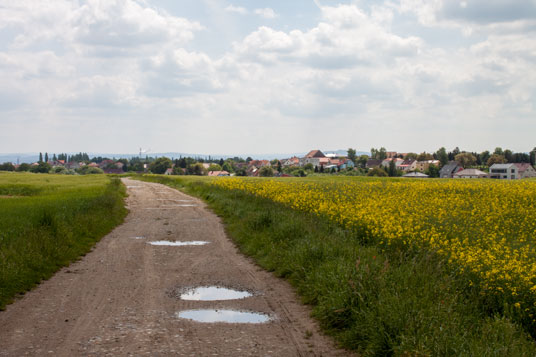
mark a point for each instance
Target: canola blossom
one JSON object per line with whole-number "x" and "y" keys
{"x": 483, "y": 228}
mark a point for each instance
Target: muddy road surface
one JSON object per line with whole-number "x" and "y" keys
{"x": 124, "y": 297}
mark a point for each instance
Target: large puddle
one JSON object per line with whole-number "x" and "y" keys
{"x": 178, "y": 244}
{"x": 214, "y": 293}
{"x": 228, "y": 316}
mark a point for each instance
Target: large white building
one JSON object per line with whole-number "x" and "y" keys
{"x": 504, "y": 171}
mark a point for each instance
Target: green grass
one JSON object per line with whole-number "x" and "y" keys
{"x": 401, "y": 302}
{"x": 48, "y": 221}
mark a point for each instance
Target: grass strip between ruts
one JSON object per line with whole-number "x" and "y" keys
{"x": 374, "y": 302}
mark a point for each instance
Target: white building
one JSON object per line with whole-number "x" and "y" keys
{"x": 504, "y": 172}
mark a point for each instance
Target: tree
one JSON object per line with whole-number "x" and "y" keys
{"x": 40, "y": 157}
{"x": 377, "y": 172}
{"x": 266, "y": 171}
{"x": 214, "y": 167}
{"x": 227, "y": 167}
{"x": 392, "y": 169}
{"x": 378, "y": 154}
{"x": 248, "y": 159}
{"x": 496, "y": 159}
{"x": 7, "y": 166}
{"x": 362, "y": 161}
{"x": 23, "y": 167}
{"x": 442, "y": 156}
{"x": 424, "y": 156}
{"x": 309, "y": 167}
{"x": 46, "y": 157}
{"x": 509, "y": 155}
{"x": 499, "y": 151}
{"x": 484, "y": 157}
{"x": 433, "y": 170}
{"x": 412, "y": 156}
{"x": 465, "y": 159}
{"x": 89, "y": 170}
{"x": 160, "y": 165}
{"x": 42, "y": 167}
{"x": 533, "y": 157}
{"x": 279, "y": 167}
{"x": 54, "y": 158}
{"x": 352, "y": 155}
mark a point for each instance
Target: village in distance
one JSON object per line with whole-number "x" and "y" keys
{"x": 499, "y": 164}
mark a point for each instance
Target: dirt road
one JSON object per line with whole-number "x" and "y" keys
{"x": 124, "y": 296}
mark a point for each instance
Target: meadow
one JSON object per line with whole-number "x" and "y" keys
{"x": 394, "y": 266}
{"x": 49, "y": 221}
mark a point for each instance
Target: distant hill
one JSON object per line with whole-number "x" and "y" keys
{"x": 33, "y": 157}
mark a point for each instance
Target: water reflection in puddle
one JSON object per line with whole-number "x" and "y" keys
{"x": 228, "y": 316}
{"x": 178, "y": 244}
{"x": 213, "y": 293}
{"x": 171, "y": 199}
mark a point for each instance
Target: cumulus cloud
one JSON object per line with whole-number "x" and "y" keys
{"x": 358, "y": 67}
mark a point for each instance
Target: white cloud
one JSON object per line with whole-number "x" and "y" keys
{"x": 116, "y": 63}
{"x": 237, "y": 9}
{"x": 267, "y": 13}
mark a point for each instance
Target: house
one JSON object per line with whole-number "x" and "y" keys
{"x": 424, "y": 165}
{"x": 93, "y": 164}
{"x": 408, "y": 165}
{"x": 397, "y": 161}
{"x": 168, "y": 171}
{"x": 218, "y": 173}
{"x": 504, "y": 171}
{"x": 525, "y": 170}
{"x": 259, "y": 163}
{"x": 106, "y": 163}
{"x": 415, "y": 175}
{"x": 372, "y": 163}
{"x": 470, "y": 173}
{"x": 206, "y": 165}
{"x": 391, "y": 154}
{"x": 293, "y": 161}
{"x": 450, "y": 169}
{"x": 346, "y": 163}
{"x": 313, "y": 157}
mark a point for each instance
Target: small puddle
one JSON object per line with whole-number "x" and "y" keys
{"x": 133, "y": 186}
{"x": 171, "y": 199}
{"x": 180, "y": 205}
{"x": 139, "y": 237}
{"x": 214, "y": 293}
{"x": 178, "y": 244}
{"x": 228, "y": 316}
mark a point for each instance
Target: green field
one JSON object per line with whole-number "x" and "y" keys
{"x": 373, "y": 297}
{"x": 48, "y": 221}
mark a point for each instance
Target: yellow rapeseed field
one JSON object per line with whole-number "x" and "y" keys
{"x": 483, "y": 228}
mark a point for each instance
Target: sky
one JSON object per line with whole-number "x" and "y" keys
{"x": 274, "y": 76}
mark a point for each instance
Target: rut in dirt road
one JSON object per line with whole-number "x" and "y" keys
{"x": 125, "y": 296}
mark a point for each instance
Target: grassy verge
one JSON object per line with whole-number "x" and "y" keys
{"x": 399, "y": 302}
{"x": 48, "y": 221}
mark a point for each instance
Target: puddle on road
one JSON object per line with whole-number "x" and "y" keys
{"x": 133, "y": 186}
{"x": 174, "y": 200}
{"x": 139, "y": 237}
{"x": 227, "y": 316}
{"x": 177, "y": 244}
{"x": 214, "y": 293}
{"x": 180, "y": 205}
